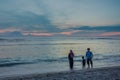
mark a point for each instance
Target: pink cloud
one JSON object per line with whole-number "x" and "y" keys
{"x": 70, "y": 32}
{"x": 7, "y": 30}
{"x": 41, "y": 34}
{"x": 38, "y": 34}
{"x": 110, "y": 34}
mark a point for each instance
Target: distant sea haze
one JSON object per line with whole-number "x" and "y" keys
{"x": 24, "y": 55}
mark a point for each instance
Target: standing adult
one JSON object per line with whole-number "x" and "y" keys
{"x": 70, "y": 57}
{"x": 89, "y": 56}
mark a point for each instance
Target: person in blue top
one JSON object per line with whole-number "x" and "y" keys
{"x": 89, "y": 56}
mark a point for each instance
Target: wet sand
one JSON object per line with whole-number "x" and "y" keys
{"x": 104, "y": 73}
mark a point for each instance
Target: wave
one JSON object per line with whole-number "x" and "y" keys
{"x": 21, "y": 44}
{"x": 9, "y": 62}
{"x": 13, "y": 64}
{"x": 11, "y": 40}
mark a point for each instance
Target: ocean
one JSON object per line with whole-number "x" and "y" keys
{"x": 28, "y": 55}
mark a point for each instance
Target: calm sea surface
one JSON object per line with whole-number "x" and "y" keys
{"x": 27, "y": 55}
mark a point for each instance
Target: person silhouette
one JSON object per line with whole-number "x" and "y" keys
{"x": 83, "y": 62}
{"x": 89, "y": 56}
{"x": 70, "y": 57}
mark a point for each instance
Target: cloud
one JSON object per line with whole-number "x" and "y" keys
{"x": 110, "y": 34}
{"x": 11, "y": 34}
{"x": 60, "y": 13}
{"x": 69, "y": 33}
{"x": 8, "y": 30}
{"x": 25, "y": 15}
{"x": 38, "y": 33}
{"x": 29, "y": 21}
{"x": 99, "y": 28}
{"x": 59, "y": 17}
{"x": 41, "y": 34}
{"x": 97, "y": 31}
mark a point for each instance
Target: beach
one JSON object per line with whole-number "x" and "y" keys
{"x": 104, "y": 73}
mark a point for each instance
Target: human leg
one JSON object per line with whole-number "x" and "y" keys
{"x": 91, "y": 62}
{"x": 71, "y": 63}
{"x": 88, "y": 63}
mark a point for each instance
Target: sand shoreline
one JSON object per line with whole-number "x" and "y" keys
{"x": 104, "y": 73}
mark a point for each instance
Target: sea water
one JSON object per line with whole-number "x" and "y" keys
{"x": 27, "y": 55}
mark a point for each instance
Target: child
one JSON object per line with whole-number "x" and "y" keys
{"x": 83, "y": 62}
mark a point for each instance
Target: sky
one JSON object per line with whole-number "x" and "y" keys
{"x": 82, "y": 18}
